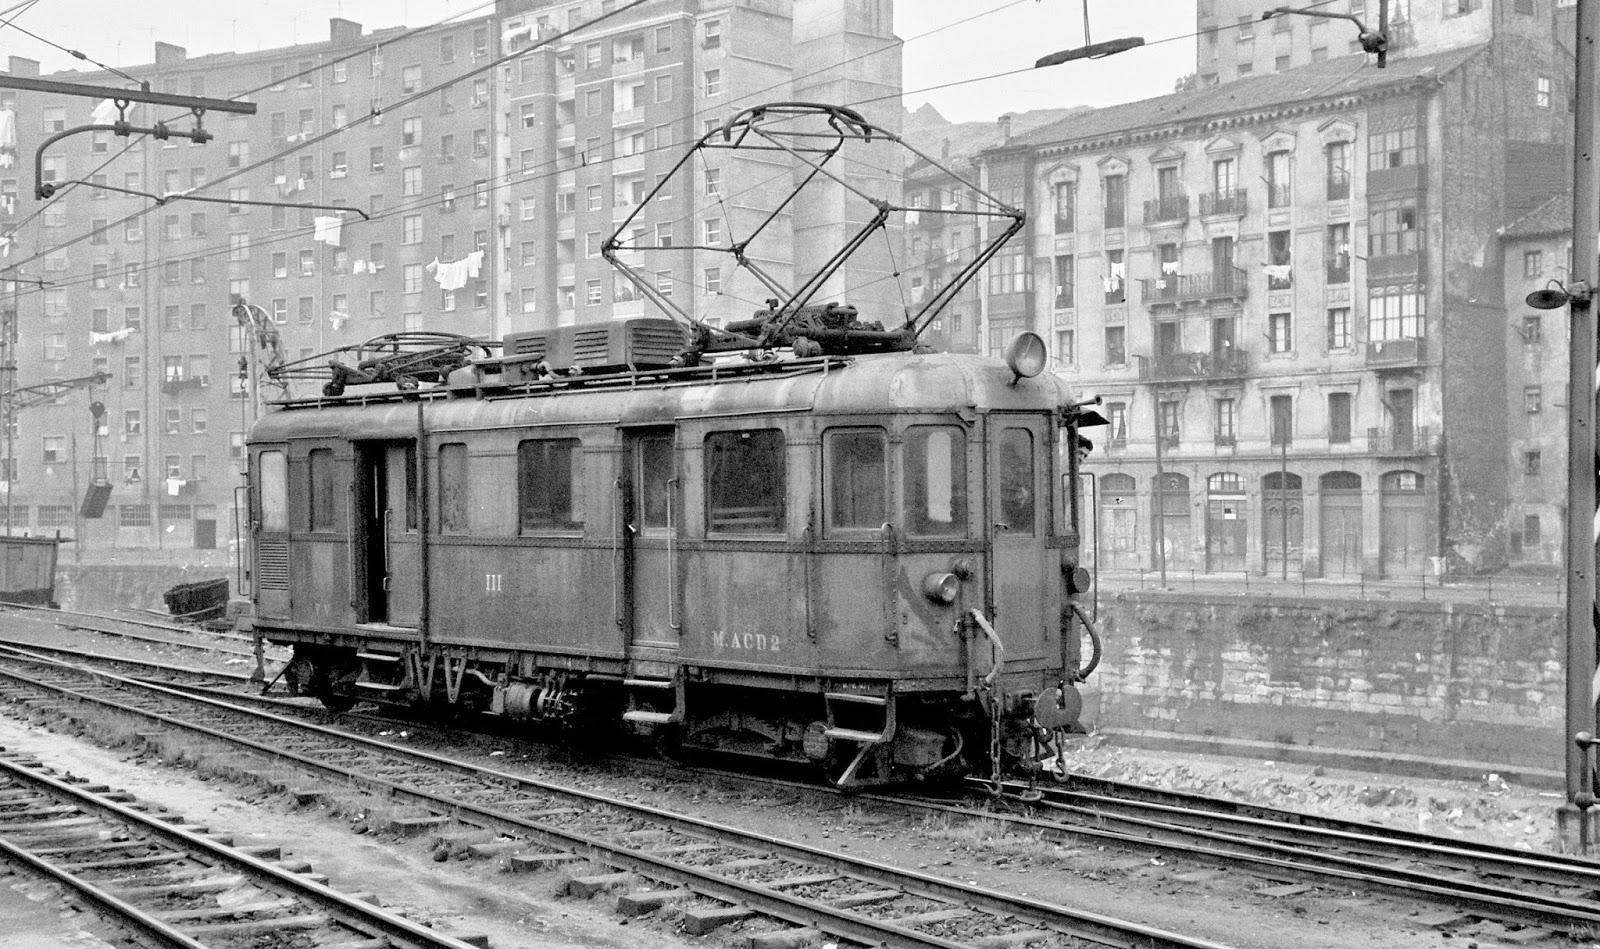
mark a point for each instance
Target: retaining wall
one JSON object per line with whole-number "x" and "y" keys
{"x": 1415, "y": 686}
{"x": 106, "y": 587}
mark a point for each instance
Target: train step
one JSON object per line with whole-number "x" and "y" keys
{"x": 648, "y": 718}
{"x": 862, "y": 697}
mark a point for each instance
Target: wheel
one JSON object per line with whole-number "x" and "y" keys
{"x": 335, "y": 701}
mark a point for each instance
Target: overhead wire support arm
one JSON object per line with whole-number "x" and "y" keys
{"x": 1372, "y": 41}
{"x": 27, "y": 397}
{"x": 143, "y": 94}
{"x": 43, "y": 190}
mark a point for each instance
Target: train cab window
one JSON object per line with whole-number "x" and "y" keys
{"x": 858, "y": 475}
{"x": 653, "y": 477}
{"x": 272, "y": 477}
{"x": 546, "y": 473}
{"x": 746, "y": 482}
{"x": 1017, "y": 482}
{"x": 323, "y": 498}
{"x": 454, "y": 489}
{"x": 935, "y": 481}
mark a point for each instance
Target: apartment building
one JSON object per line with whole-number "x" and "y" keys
{"x": 1537, "y": 249}
{"x": 1233, "y": 41}
{"x": 1280, "y": 288}
{"x": 489, "y": 191}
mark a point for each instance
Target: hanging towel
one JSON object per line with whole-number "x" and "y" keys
{"x": 8, "y": 138}
{"x": 1277, "y": 271}
{"x": 327, "y": 229}
{"x": 105, "y": 113}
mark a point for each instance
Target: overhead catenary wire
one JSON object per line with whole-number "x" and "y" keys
{"x": 361, "y": 120}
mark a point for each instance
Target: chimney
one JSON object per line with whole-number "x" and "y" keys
{"x": 944, "y": 150}
{"x": 1005, "y": 128}
{"x": 23, "y": 67}
{"x": 169, "y": 55}
{"x": 343, "y": 31}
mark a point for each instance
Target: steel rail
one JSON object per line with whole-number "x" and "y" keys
{"x": 351, "y": 912}
{"x": 768, "y": 901}
{"x": 54, "y": 617}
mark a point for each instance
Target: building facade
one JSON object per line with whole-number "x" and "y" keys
{"x": 489, "y": 192}
{"x": 1537, "y": 249}
{"x": 1285, "y": 291}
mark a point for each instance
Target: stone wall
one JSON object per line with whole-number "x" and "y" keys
{"x": 107, "y": 587}
{"x": 1436, "y": 688}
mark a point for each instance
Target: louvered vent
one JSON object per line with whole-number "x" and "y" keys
{"x": 592, "y": 346}
{"x": 655, "y": 342}
{"x": 272, "y": 565}
{"x": 527, "y": 344}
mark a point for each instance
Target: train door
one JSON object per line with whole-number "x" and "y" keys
{"x": 387, "y": 497}
{"x": 1018, "y": 506}
{"x": 652, "y": 515}
{"x": 269, "y": 523}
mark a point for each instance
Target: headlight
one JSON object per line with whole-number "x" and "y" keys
{"x": 941, "y": 587}
{"x": 1026, "y": 356}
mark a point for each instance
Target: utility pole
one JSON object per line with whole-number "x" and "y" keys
{"x": 1158, "y": 498}
{"x": 1574, "y": 819}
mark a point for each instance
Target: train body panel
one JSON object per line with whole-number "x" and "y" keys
{"x": 793, "y": 559}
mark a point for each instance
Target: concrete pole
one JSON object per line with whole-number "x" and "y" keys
{"x": 1573, "y": 820}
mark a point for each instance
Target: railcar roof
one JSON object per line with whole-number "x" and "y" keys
{"x": 877, "y": 384}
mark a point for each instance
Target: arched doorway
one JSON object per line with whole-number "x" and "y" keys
{"x": 1340, "y": 524}
{"x": 1119, "y": 538}
{"x": 1403, "y": 524}
{"x": 1171, "y": 532}
{"x": 1227, "y": 529}
{"x": 1282, "y": 522}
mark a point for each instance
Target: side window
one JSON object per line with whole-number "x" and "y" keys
{"x": 654, "y": 477}
{"x": 272, "y": 476}
{"x": 545, "y": 476}
{"x": 1017, "y": 480}
{"x": 935, "y": 489}
{"x": 324, "y": 496}
{"x": 454, "y": 487}
{"x": 745, "y": 481}
{"x": 858, "y": 478}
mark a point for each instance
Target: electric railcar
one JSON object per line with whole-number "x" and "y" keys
{"x": 867, "y": 562}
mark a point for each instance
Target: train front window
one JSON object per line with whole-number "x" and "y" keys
{"x": 745, "y": 481}
{"x": 936, "y": 481}
{"x": 1017, "y": 483}
{"x": 272, "y": 480}
{"x": 324, "y": 512}
{"x": 545, "y": 478}
{"x": 858, "y": 475}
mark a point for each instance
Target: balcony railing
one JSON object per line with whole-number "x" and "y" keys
{"x": 1187, "y": 288}
{"x": 1066, "y": 225}
{"x": 1279, "y": 276}
{"x": 1339, "y": 270}
{"x": 1417, "y": 440}
{"x": 1225, "y": 441}
{"x": 1396, "y": 352}
{"x": 1339, "y": 187}
{"x": 1403, "y": 178}
{"x": 1171, "y": 208}
{"x": 1396, "y": 265}
{"x": 1222, "y": 364}
{"x": 1064, "y": 299}
{"x": 1280, "y": 196}
{"x": 1116, "y": 216}
{"x": 1224, "y": 202}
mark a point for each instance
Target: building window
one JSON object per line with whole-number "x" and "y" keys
{"x": 1066, "y": 207}
{"x": 1117, "y": 422}
{"x": 712, "y": 280}
{"x": 1339, "y": 418}
{"x": 1340, "y": 158}
{"x": 1116, "y": 346}
{"x": 1530, "y": 530}
{"x": 1394, "y": 148}
{"x": 1338, "y": 253}
{"x": 1395, "y": 315}
{"x": 713, "y": 82}
{"x": 1066, "y": 347}
{"x": 1168, "y": 415}
{"x": 1339, "y": 328}
{"x": 1392, "y": 228}
{"x": 1282, "y": 417}
{"x": 1116, "y": 200}
{"x": 1066, "y": 281}
{"x": 411, "y": 229}
{"x": 1532, "y": 463}
{"x": 1280, "y": 185}
{"x": 1532, "y": 399}
{"x": 1280, "y": 330}
{"x": 1532, "y": 263}
{"x": 411, "y": 278}
{"x": 1116, "y": 282}
{"x": 592, "y": 295}
{"x": 1532, "y": 330}
{"x": 1226, "y": 418}
{"x": 1541, "y": 96}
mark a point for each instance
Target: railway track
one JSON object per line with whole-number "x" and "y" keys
{"x": 1520, "y": 887}
{"x": 171, "y": 885}
{"x": 151, "y": 631}
{"x": 717, "y": 873}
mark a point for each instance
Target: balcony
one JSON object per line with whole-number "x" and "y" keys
{"x": 1339, "y": 187}
{"x": 1174, "y": 367}
{"x": 1416, "y": 440}
{"x": 1395, "y": 353}
{"x": 1224, "y": 202}
{"x": 1339, "y": 269}
{"x": 625, "y": 117}
{"x": 1225, "y": 441}
{"x": 1193, "y": 288}
{"x": 1408, "y": 264}
{"x": 1280, "y": 196}
{"x": 1279, "y": 276}
{"x": 1403, "y": 178}
{"x": 1173, "y": 209}
{"x": 1065, "y": 225}
{"x": 1064, "y": 299}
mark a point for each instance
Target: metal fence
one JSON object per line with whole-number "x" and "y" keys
{"x": 1493, "y": 590}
